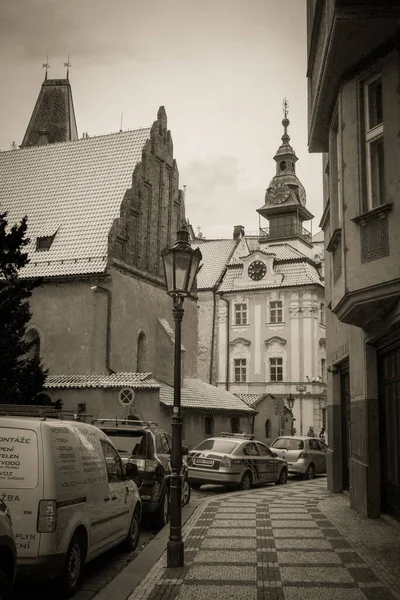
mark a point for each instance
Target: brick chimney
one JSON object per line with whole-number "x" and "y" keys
{"x": 238, "y": 232}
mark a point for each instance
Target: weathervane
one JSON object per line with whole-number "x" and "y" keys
{"x": 67, "y": 65}
{"x": 285, "y": 105}
{"x": 46, "y": 65}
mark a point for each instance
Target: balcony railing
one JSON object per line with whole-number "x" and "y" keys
{"x": 284, "y": 231}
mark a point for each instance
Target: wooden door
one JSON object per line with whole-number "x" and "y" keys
{"x": 389, "y": 372}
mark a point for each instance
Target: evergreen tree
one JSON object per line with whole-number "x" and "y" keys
{"x": 21, "y": 374}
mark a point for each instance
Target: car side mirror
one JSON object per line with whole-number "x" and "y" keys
{"x": 131, "y": 471}
{"x": 274, "y": 454}
{"x": 185, "y": 450}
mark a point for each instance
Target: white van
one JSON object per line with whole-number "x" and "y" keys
{"x": 68, "y": 496}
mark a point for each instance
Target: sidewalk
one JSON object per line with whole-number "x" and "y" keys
{"x": 278, "y": 543}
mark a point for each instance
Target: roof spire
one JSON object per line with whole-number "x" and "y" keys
{"x": 285, "y": 121}
{"x": 67, "y": 65}
{"x": 46, "y": 65}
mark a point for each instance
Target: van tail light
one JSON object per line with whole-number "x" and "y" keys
{"x": 302, "y": 455}
{"x": 226, "y": 462}
{"x": 47, "y": 516}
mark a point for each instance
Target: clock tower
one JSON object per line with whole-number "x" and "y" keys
{"x": 285, "y": 198}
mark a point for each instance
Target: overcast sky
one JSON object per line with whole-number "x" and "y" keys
{"x": 221, "y": 68}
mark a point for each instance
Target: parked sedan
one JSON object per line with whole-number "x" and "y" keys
{"x": 305, "y": 456}
{"x": 234, "y": 460}
{"x": 8, "y": 553}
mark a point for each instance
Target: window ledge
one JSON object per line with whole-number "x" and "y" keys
{"x": 379, "y": 212}
{"x": 334, "y": 241}
{"x": 275, "y": 323}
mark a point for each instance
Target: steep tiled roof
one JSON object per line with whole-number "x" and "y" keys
{"x": 133, "y": 380}
{"x": 201, "y": 395}
{"x": 216, "y": 254}
{"x": 75, "y": 188}
{"x": 294, "y": 274}
{"x": 250, "y": 399}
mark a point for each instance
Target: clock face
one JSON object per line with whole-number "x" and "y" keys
{"x": 302, "y": 194}
{"x": 279, "y": 193}
{"x": 257, "y": 270}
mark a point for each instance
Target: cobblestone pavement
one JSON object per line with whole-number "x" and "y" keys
{"x": 284, "y": 543}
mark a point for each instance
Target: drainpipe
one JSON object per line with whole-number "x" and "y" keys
{"x": 227, "y": 340}
{"x": 212, "y": 336}
{"x": 100, "y": 288}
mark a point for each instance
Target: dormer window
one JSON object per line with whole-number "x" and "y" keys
{"x": 45, "y": 238}
{"x": 44, "y": 243}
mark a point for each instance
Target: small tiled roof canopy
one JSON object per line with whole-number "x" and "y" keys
{"x": 200, "y": 395}
{"x": 74, "y": 189}
{"x": 133, "y": 380}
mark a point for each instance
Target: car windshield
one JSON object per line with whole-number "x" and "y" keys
{"x": 288, "y": 444}
{"x": 132, "y": 443}
{"x": 218, "y": 445}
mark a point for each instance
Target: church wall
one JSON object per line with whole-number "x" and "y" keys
{"x": 194, "y": 430}
{"x": 71, "y": 321}
{"x": 205, "y": 304}
{"x": 136, "y": 304}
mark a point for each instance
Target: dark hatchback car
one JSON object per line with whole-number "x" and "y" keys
{"x": 147, "y": 446}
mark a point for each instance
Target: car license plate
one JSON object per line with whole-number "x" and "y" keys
{"x": 207, "y": 462}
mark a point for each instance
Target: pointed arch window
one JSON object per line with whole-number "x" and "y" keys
{"x": 33, "y": 338}
{"x": 141, "y": 353}
{"x": 268, "y": 428}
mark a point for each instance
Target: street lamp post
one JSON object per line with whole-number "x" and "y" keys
{"x": 181, "y": 263}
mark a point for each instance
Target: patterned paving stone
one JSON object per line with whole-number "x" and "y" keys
{"x": 298, "y": 533}
{"x": 234, "y": 523}
{"x": 244, "y": 518}
{"x": 207, "y": 592}
{"x": 308, "y": 557}
{"x": 230, "y": 543}
{"x": 278, "y": 509}
{"x": 223, "y": 573}
{"x": 291, "y": 516}
{"x": 221, "y": 556}
{"x": 293, "y": 523}
{"x": 308, "y": 544}
{"x": 239, "y": 509}
{"x": 245, "y": 532}
{"x": 316, "y": 574}
{"x": 322, "y": 593}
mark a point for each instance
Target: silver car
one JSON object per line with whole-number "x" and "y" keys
{"x": 8, "y": 553}
{"x": 234, "y": 460}
{"x": 305, "y": 456}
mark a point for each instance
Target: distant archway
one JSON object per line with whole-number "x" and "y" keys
{"x": 141, "y": 362}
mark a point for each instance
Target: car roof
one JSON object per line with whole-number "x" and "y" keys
{"x": 296, "y": 437}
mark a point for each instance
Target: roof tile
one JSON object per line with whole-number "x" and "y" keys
{"x": 216, "y": 254}
{"x": 133, "y": 380}
{"x": 77, "y": 187}
{"x": 198, "y": 394}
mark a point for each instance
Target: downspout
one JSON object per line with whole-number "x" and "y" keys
{"x": 212, "y": 336}
{"x": 100, "y": 288}
{"x": 227, "y": 340}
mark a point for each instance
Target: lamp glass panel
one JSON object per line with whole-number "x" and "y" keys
{"x": 168, "y": 259}
{"x": 182, "y": 266}
{"x": 193, "y": 270}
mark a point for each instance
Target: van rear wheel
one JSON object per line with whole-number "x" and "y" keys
{"x": 72, "y": 571}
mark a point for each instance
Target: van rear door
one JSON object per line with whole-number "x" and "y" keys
{"x": 21, "y": 485}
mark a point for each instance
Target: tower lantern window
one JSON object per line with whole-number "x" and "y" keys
{"x": 282, "y": 165}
